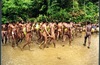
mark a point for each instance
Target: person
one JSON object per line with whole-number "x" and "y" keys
{"x": 67, "y": 31}
{"x": 88, "y": 34}
{"x": 4, "y": 33}
{"x": 37, "y": 28}
{"x": 52, "y": 33}
{"x": 44, "y": 33}
{"x": 59, "y": 30}
{"x": 28, "y": 36}
{"x": 14, "y": 34}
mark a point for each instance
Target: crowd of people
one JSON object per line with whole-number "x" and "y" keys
{"x": 46, "y": 32}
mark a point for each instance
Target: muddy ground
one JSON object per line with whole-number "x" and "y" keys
{"x": 76, "y": 54}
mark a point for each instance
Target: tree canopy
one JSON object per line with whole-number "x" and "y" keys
{"x": 50, "y": 10}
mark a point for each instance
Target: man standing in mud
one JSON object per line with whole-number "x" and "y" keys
{"x": 44, "y": 33}
{"x": 4, "y": 33}
{"x": 28, "y": 36}
{"x": 88, "y": 34}
{"x": 59, "y": 30}
{"x": 67, "y": 31}
{"x": 52, "y": 31}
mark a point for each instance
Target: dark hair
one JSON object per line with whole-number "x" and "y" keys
{"x": 88, "y": 22}
{"x": 68, "y": 22}
{"x": 7, "y": 24}
{"x": 44, "y": 21}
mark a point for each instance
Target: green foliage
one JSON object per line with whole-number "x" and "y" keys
{"x": 50, "y": 10}
{"x": 91, "y": 12}
{"x": 41, "y": 18}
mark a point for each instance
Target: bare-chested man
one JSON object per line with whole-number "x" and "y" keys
{"x": 59, "y": 30}
{"x": 20, "y": 33}
{"x": 4, "y": 33}
{"x": 9, "y": 32}
{"x": 67, "y": 31}
{"x": 14, "y": 34}
{"x": 52, "y": 33}
{"x": 37, "y": 27}
{"x": 40, "y": 37}
{"x": 28, "y": 36}
{"x": 44, "y": 33}
{"x": 88, "y": 34}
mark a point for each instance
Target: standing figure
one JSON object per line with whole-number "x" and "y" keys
{"x": 88, "y": 34}
{"x": 28, "y": 36}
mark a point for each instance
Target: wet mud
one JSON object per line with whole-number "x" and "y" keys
{"x": 63, "y": 54}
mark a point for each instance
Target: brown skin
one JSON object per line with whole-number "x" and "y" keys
{"x": 88, "y": 35}
{"x": 68, "y": 32}
{"x": 56, "y": 30}
{"x": 14, "y": 35}
{"x": 24, "y": 27}
{"x": 37, "y": 31}
{"x": 52, "y": 31}
{"x": 59, "y": 30}
{"x": 40, "y": 34}
{"x": 9, "y": 32}
{"x": 28, "y": 36}
{"x": 19, "y": 32}
{"x": 15, "y": 29}
{"x": 44, "y": 34}
{"x": 4, "y": 33}
{"x": 33, "y": 27}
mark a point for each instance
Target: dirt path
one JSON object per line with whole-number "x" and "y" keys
{"x": 76, "y": 54}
